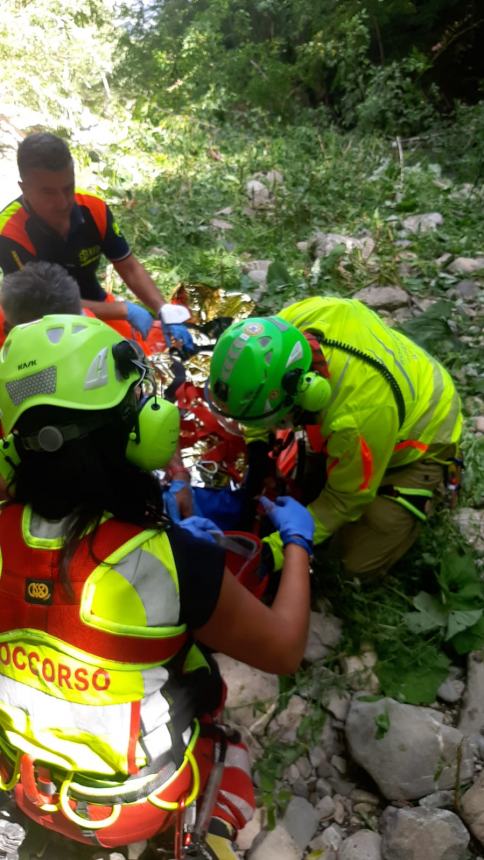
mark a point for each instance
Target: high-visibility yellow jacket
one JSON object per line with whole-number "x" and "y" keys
{"x": 83, "y": 680}
{"x": 365, "y": 429}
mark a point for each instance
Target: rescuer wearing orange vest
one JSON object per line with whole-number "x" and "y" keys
{"x": 107, "y": 693}
{"x": 55, "y": 222}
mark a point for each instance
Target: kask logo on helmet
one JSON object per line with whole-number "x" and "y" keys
{"x": 25, "y": 364}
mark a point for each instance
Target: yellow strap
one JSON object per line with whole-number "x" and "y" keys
{"x": 81, "y": 821}
{"x": 7, "y": 786}
{"x": 170, "y": 805}
{"x": 189, "y": 759}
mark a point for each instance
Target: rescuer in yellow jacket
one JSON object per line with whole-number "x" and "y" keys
{"x": 389, "y": 418}
{"x": 107, "y": 696}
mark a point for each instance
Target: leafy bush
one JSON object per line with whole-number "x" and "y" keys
{"x": 394, "y": 101}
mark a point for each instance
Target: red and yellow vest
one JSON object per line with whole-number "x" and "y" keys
{"x": 82, "y": 680}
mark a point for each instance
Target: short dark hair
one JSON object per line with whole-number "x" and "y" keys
{"x": 36, "y": 290}
{"x": 43, "y": 150}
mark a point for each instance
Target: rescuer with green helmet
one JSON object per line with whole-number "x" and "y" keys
{"x": 109, "y": 612}
{"x": 388, "y": 413}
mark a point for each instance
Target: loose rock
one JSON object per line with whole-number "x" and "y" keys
{"x": 416, "y": 755}
{"x": 471, "y": 720}
{"x": 472, "y": 808}
{"x": 274, "y": 844}
{"x": 423, "y": 223}
{"x": 245, "y": 688}
{"x": 383, "y": 297}
{"x": 423, "y": 834}
{"x": 300, "y": 821}
{"x": 466, "y": 265}
{"x": 471, "y": 523}
{"x": 362, "y": 845}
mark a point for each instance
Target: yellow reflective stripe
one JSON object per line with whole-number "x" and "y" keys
{"x": 450, "y": 428}
{"x": 94, "y": 582}
{"x": 438, "y": 387}
{"x": 8, "y": 213}
{"x": 37, "y": 542}
{"x": 54, "y": 667}
{"x": 38, "y": 751}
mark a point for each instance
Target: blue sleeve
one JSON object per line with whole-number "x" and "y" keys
{"x": 114, "y": 245}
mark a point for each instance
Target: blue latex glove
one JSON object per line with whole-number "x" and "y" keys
{"x": 180, "y": 332}
{"x": 200, "y": 527}
{"x": 171, "y": 503}
{"x": 292, "y": 520}
{"x": 139, "y": 318}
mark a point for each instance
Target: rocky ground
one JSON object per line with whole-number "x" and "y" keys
{"x": 383, "y": 780}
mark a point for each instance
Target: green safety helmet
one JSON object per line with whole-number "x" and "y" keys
{"x": 80, "y": 363}
{"x": 261, "y": 370}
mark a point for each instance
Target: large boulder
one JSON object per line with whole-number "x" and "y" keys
{"x": 423, "y": 834}
{"x": 387, "y": 298}
{"x": 472, "y": 808}
{"x": 415, "y": 756}
{"x": 248, "y": 692}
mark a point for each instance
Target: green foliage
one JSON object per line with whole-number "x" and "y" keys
{"x": 365, "y": 60}
{"x": 458, "y": 143}
{"x": 394, "y": 101}
{"x": 459, "y": 606}
{"x": 56, "y": 58}
{"x": 432, "y": 328}
{"x": 382, "y": 723}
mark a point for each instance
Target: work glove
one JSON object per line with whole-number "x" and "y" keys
{"x": 139, "y": 318}
{"x": 292, "y": 520}
{"x": 201, "y": 527}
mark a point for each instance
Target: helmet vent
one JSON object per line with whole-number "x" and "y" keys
{"x": 97, "y": 374}
{"x": 55, "y": 334}
{"x": 296, "y": 354}
{"x": 43, "y": 382}
{"x": 77, "y": 328}
{"x": 265, "y": 341}
{"x": 268, "y": 357}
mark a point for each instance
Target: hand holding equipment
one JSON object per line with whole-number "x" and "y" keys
{"x": 292, "y": 520}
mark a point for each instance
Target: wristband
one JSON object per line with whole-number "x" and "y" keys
{"x": 302, "y": 542}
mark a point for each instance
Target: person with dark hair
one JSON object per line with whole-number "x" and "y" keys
{"x": 35, "y": 291}
{"x": 109, "y": 612}
{"x": 54, "y": 222}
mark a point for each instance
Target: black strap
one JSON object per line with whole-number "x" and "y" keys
{"x": 373, "y": 362}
